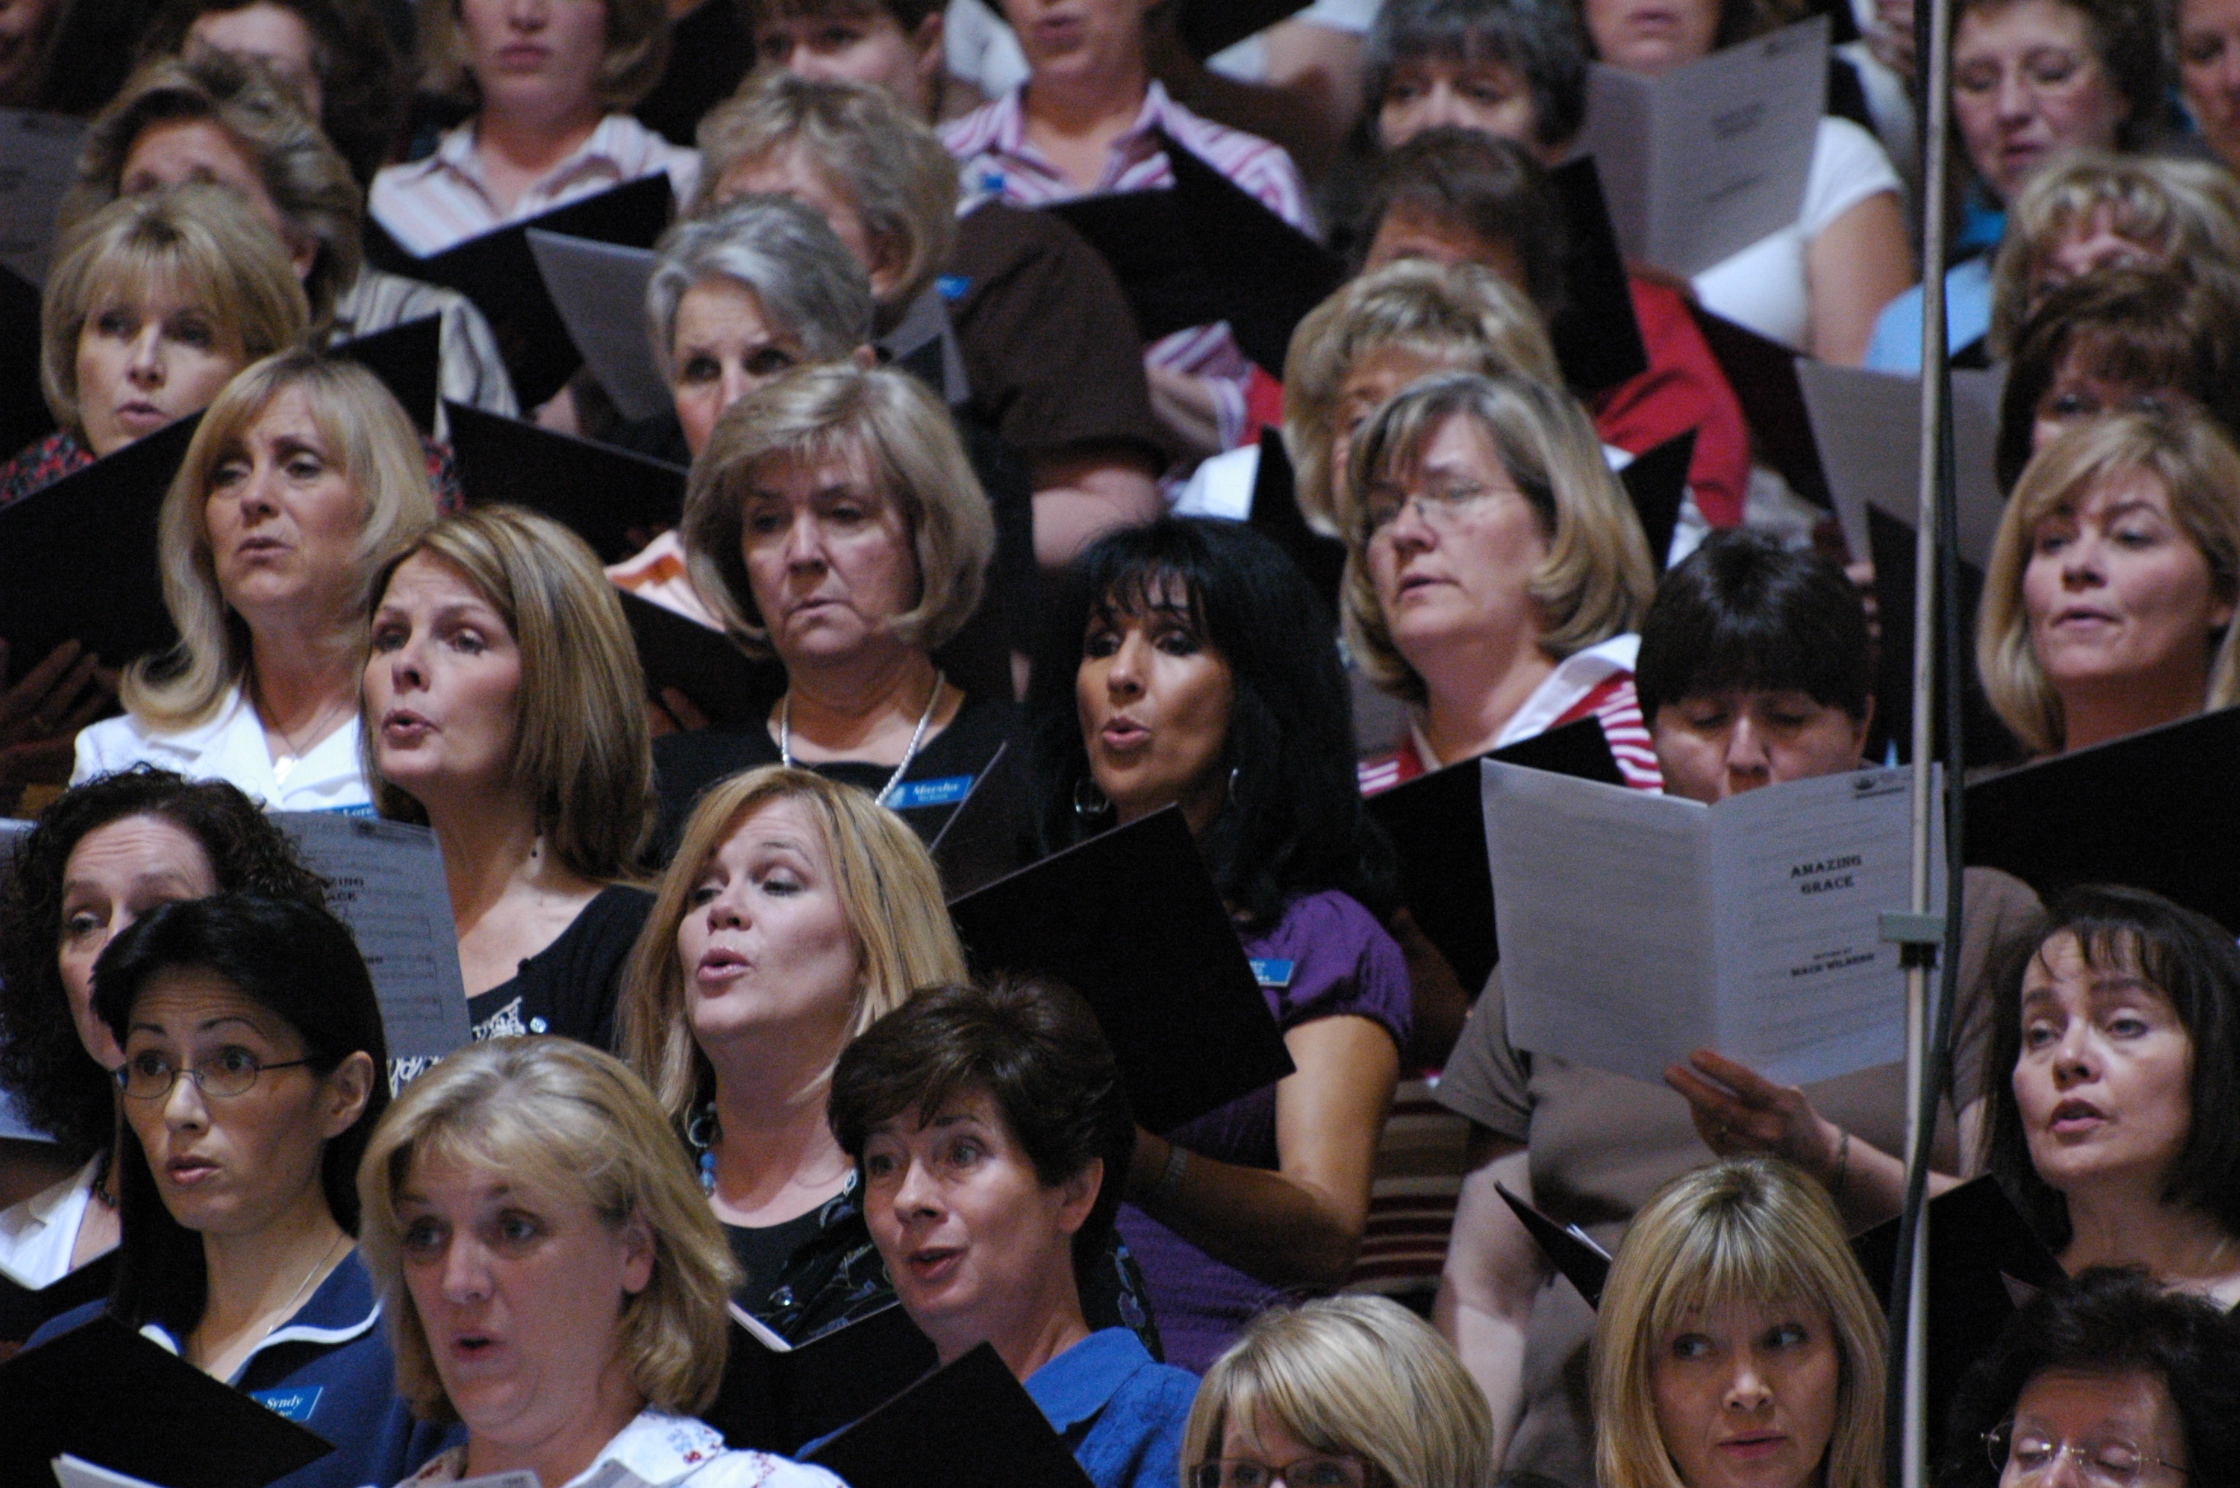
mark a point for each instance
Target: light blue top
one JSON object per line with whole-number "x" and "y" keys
{"x": 1896, "y": 344}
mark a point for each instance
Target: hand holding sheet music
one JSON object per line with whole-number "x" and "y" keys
{"x": 1635, "y": 928}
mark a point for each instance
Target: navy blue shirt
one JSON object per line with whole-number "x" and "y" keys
{"x": 328, "y": 1369}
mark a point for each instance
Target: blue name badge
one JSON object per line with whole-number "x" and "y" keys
{"x": 946, "y": 791}
{"x": 1270, "y": 972}
{"x": 297, "y": 1404}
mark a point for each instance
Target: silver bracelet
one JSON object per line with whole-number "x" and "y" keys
{"x": 1169, "y": 1180}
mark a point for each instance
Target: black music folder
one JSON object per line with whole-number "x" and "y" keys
{"x": 612, "y": 499}
{"x": 498, "y": 272}
{"x": 408, "y": 359}
{"x": 1204, "y": 250}
{"x": 986, "y": 836}
{"x": 78, "y": 559}
{"x": 1437, "y": 826}
{"x": 1132, "y": 922}
{"x": 1657, "y": 482}
{"x": 776, "y": 1397}
{"x": 968, "y": 1424}
{"x": 2156, "y": 810}
{"x": 1583, "y": 1263}
{"x": 106, "y": 1395}
{"x": 24, "y": 1310}
{"x": 1276, "y": 512}
{"x": 733, "y": 691}
{"x": 1597, "y": 339}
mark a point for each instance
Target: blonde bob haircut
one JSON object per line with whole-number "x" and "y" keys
{"x": 888, "y": 888}
{"x": 1354, "y": 1375}
{"x": 2200, "y": 474}
{"x": 867, "y": 146}
{"x": 1747, "y": 1230}
{"x": 1597, "y": 578}
{"x": 559, "y": 1123}
{"x": 637, "y": 50}
{"x": 1465, "y": 316}
{"x": 2182, "y": 211}
{"x": 308, "y": 180}
{"x": 364, "y": 431}
{"x": 579, "y": 725}
{"x": 197, "y": 240}
{"x": 898, "y": 438}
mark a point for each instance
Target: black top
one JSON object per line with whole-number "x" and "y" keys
{"x": 762, "y": 1252}
{"x": 569, "y": 987}
{"x": 684, "y": 765}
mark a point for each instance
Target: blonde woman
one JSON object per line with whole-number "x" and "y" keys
{"x": 2108, "y": 603}
{"x": 1339, "y": 1393}
{"x": 1737, "y": 1341}
{"x": 303, "y": 480}
{"x": 551, "y": 1279}
{"x": 1495, "y": 574}
{"x": 795, "y": 914}
{"x": 504, "y": 707}
{"x": 834, "y": 522}
{"x": 152, "y": 306}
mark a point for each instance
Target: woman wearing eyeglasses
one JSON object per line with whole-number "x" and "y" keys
{"x": 2110, "y": 1382}
{"x": 252, "y": 1079}
{"x": 1345, "y": 1392}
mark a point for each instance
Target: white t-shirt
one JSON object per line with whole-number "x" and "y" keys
{"x": 1763, "y": 286}
{"x": 37, "y": 1235}
{"x": 231, "y": 747}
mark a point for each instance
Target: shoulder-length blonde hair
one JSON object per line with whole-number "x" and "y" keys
{"x": 579, "y": 727}
{"x": 308, "y": 180}
{"x": 199, "y": 239}
{"x": 1597, "y": 579}
{"x": 2199, "y": 472}
{"x": 888, "y": 888}
{"x": 365, "y": 432}
{"x": 867, "y": 147}
{"x": 1356, "y": 1375}
{"x": 1745, "y": 1230}
{"x": 636, "y": 52}
{"x": 898, "y": 435}
{"x": 1465, "y": 315}
{"x": 561, "y": 1123}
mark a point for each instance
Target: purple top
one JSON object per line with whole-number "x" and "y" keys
{"x": 1342, "y": 964}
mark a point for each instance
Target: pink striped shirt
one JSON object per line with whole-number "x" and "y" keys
{"x": 437, "y": 203}
{"x": 991, "y": 141}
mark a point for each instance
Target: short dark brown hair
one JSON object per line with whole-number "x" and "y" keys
{"x": 1491, "y": 187}
{"x": 1034, "y": 1047}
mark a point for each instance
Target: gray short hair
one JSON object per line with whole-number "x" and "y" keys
{"x": 809, "y": 285}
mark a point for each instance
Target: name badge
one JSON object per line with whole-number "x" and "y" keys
{"x": 297, "y": 1404}
{"x": 1270, "y": 972}
{"x": 946, "y": 791}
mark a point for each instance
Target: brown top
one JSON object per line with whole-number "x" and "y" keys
{"x": 1600, "y": 1145}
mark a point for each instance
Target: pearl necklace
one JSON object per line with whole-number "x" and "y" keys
{"x": 917, "y": 737}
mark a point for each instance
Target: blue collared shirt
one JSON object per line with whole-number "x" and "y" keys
{"x": 1120, "y": 1411}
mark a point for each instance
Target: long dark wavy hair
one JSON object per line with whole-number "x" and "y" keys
{"x": 1293, "y": 822}
{"x": 42, "y": 1063}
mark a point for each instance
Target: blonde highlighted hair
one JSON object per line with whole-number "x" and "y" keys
{"x": 888, "y": 890}
{"x": 1597, "y": 579}
{"x": 199, "y": 240}
{"x": 2199, "y": 472}
{"x": 637, "y": 50}
{"x": 559, "y": 1123}
{"x": 579, "y": 726}
{"x": 1466, "y": 316}
{"x": 364, "y": 432}
{"x": 893, "y": 432}
{"x": 1745, "y": 1231}
{"x": 866, "y": 145}
{"x": 1354, "y": 1375}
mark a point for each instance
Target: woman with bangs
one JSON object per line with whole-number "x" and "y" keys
{"x": 504, "y": 707}
{"x": 302, "y": 481}
{"x": 1172, "y": 673}
{"x": 1495, "y": 574}
{"x": 2109, "y": 1088}
{"x": 1737, "y": 1342}
{"x": 794, "y": 915}
{"x": 2108, "y": 603}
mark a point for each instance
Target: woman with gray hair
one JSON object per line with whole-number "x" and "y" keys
{"x": 834, "y": 523}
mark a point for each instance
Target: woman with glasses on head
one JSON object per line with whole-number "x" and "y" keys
{"x": 254, "y": 1071}
{"x": 1345, "y": 1392}
{"x": 2110, "y": 1382}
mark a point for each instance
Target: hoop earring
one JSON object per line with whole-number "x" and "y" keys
{"x": 1089, "y": 800}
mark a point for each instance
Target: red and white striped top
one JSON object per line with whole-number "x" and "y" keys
{"x": 436, "y": 203}
{"x": 991, "y": 142}
{"x": 1598, "y": 680}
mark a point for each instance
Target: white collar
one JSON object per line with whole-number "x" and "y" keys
{"x": 654, "y": 1449}
{"x": 1574, "y": 677}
